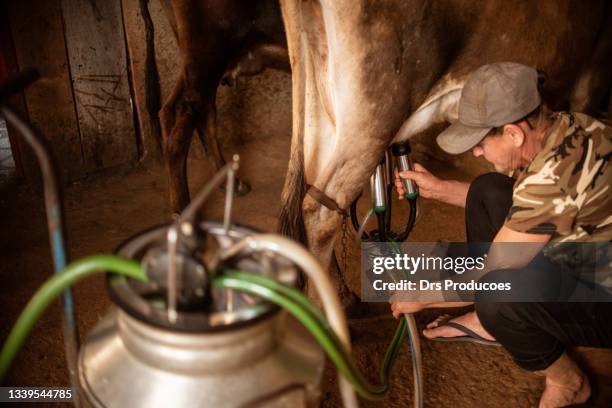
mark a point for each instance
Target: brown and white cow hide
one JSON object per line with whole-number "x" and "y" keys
{"x": 362, "y": 70}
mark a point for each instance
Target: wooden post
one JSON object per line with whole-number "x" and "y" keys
{"x": 8, "y": 68}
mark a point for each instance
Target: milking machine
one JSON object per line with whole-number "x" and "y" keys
{"x": 205, "y": 313}
{"x": 381, "y": 185}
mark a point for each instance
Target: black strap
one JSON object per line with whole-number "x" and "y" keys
{"x": 325, "y": 200}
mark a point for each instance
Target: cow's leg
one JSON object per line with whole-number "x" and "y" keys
{"x": 177, "y": 126}
{"x": 167, "y": 114}
{"x": 176, "y": 150}
{"x": 207, "y": 132}
{"x": 323, "y": 228}
{"x": 342, "y": 180}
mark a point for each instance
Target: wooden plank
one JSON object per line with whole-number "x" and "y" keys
{"x": 97, "y": 56}
{"x": 8, "y": 68}
{"x": 38, "y": 38}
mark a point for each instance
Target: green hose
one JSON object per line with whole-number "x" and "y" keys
{"x": 297, "y": 304}
{"x": 294, "y": 294}
{"x": 290, "y": 299}
{"x": 55, "y": 286}
{"x": 299, "y": 298}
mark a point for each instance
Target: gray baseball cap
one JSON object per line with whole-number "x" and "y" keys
{"x": 493, "y": 95}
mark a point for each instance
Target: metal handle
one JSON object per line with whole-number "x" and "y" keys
{"x": 402, "y": 151}
{"x": 404, "y": 163}
{"x": 379, "y": 192}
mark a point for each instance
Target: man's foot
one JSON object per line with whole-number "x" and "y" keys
{"x": 566, "y": 384}
{"x": 469, "y": 320}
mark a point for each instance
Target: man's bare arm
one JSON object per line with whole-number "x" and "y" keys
{"x": 531, "y": 245}
{"x": 454, "y": 192}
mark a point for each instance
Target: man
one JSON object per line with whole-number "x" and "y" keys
{"x": 560, "y": 193}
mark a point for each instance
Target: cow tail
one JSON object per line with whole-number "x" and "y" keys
{"x": 291, "y": 221}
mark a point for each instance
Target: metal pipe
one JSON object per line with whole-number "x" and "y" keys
{"x": 379, "y": 190}
{"x": 191, "y": 210}
{"x": 229, "y": 194}
{"x": 173, "y": 273}
{"x": 184, "y": 226}
{"x": 402, "y": 151}
{"x": 55, "y": 226}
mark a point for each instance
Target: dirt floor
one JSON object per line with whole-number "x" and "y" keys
{"x": 103, "y": 211}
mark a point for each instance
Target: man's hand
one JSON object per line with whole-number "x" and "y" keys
{"x": 399, "y": 308}
{"x": 447, "y": 191}
{"x": 428, "y": 184}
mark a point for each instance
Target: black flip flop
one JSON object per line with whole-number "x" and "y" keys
{"x": 470, "y": 336}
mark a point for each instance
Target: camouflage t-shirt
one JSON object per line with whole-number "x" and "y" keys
{"x": 565, "y": 191}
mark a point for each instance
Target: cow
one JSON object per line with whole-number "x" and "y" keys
{"x": 366, "y": 73}
{"x": 219, "y": 40}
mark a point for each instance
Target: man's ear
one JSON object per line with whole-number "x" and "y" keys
{"x": 516, "y": 133}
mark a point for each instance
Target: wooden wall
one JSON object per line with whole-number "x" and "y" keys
{"x": 100, "y": 84}
{"x": 82, "y": 102}
{"x": 38, "y": 38}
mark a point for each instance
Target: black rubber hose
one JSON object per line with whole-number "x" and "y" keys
{"x": 382, "y": 228}
{"x": 411, "y": 220}
{"x": 355, "y": 220}
{"x": 389, "y": 207}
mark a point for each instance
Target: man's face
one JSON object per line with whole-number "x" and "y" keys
{"x": 499, "y": 150}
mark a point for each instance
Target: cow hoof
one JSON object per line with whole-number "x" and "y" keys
{"x": 242, "y": 188}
